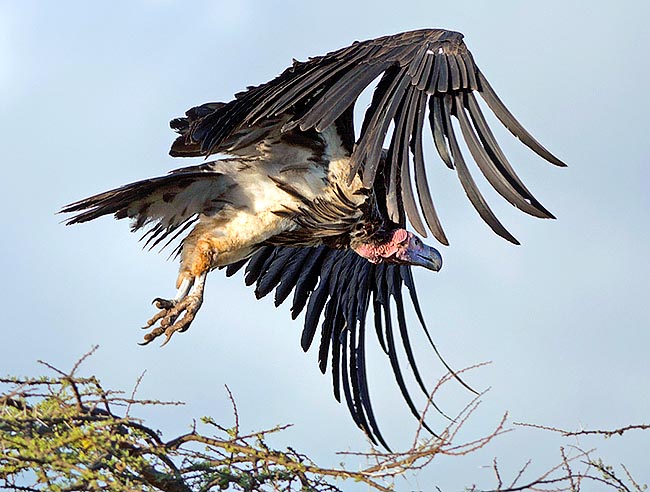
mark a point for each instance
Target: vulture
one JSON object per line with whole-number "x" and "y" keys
{"x": 312, "y": 209}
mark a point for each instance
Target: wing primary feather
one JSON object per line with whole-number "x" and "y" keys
{"x": 454, "y": 73}
{"x": 334, "y": 321}
{"x": 153, "y": 233}
{"x": 363, "y": 386}
{"x": 370, "y": 146}
{"x": 487, "y": 166}
{"x": 437, "y": 128}
{"x": 467, "y": 181}
{"x": 379, "y": 130}
{"x": 421, "y": 79}
{"x": 380, "y": 293}
{"x": 401, "y": 323}
{"x": 426, "y": 202}
{"x": 407, "y": 276}
{"x": 403, "y": 130}
{"x": 379, "y": 97}
{"x": 405, "y": 273}
{"x": 464, "y": 76}
{"x": 386, "y": 81}
{"x": 235, "y": 267}
{"x": 376, "y": 307}
{"x": 362, "y": 274}
{"x": 443, "y": 77}
{"x": 354, "y": 376}
{"x": 273, "y": 273}
{"x": 471, "y": 70}
{"x": 291, "y": 275}
{"x": 186, "y": 225}
{"x": 214, "y": 128}
{"x": 357, "y": 414}
{"x": 416, "y": 66}
{"x": 394, "y": 362}
{"x": 432, "y": 82}
{"x": 346, "y": 293}
{"x": 316, "y": 303}
{"x": 254, "y": 267}
{"x": 496, "y": 154}
{"x": 345, "y": 381}
{"x": 511, "y": 123}
{"x": 336, "y": 369}
{"x": 393, "y": 191}
{"x": 277, "y": 256}
{"x": 302, "y": 86}
{"x": 307, "y": 280}
{"x": 319, "y": 80}
{"x": 340, "y": 96}
{"x": 331, "y": 315}
{"x": 314, "y": 310}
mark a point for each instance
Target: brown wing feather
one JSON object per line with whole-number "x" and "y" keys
{"x": 169, "y": 204}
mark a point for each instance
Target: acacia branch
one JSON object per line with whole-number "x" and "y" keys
{"x": 65, "y": 432}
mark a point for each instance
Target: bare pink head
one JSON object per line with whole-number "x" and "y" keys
{"x": 402, "y": 248}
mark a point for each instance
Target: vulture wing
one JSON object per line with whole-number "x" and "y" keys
{"x": 338, "y": 287}
{"x": 425, "y": 69}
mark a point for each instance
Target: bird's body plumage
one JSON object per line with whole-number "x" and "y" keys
{"x": 309, "y": 208}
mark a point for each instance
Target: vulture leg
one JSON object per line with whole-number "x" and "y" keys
{"x": 185, "y": 304}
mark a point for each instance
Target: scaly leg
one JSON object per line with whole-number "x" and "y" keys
{"x": 202, "y": 251}
{"x": 186, "y": 303}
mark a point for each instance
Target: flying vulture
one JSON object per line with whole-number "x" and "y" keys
{"x": 310, "y": 208}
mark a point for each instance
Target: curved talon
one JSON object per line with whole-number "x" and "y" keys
{"x": 161, "y": 303}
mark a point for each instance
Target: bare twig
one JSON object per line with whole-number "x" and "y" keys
{"x": 234, "y": 409}
{"x": 135, "y": 390}
{"x": 601, "y": 432}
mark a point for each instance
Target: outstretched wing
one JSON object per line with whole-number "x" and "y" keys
{"x": 335, "y": 288}
{"x": 167, "y": 205}
{"x": 420, "y": 70}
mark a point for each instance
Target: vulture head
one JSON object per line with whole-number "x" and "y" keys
{"x": 400, "y": 247}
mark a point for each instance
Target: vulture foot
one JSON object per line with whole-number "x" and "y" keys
{"x": 176, "y": 314}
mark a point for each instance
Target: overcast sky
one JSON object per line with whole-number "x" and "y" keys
{"x": 85, "y": 96}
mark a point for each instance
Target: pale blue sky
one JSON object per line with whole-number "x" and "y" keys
{"x": 86, "y": 93}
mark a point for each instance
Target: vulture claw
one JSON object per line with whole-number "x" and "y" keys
{"x": 175, "y": 315}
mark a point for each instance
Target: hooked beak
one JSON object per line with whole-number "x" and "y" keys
{"x": 429, "y": 258}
